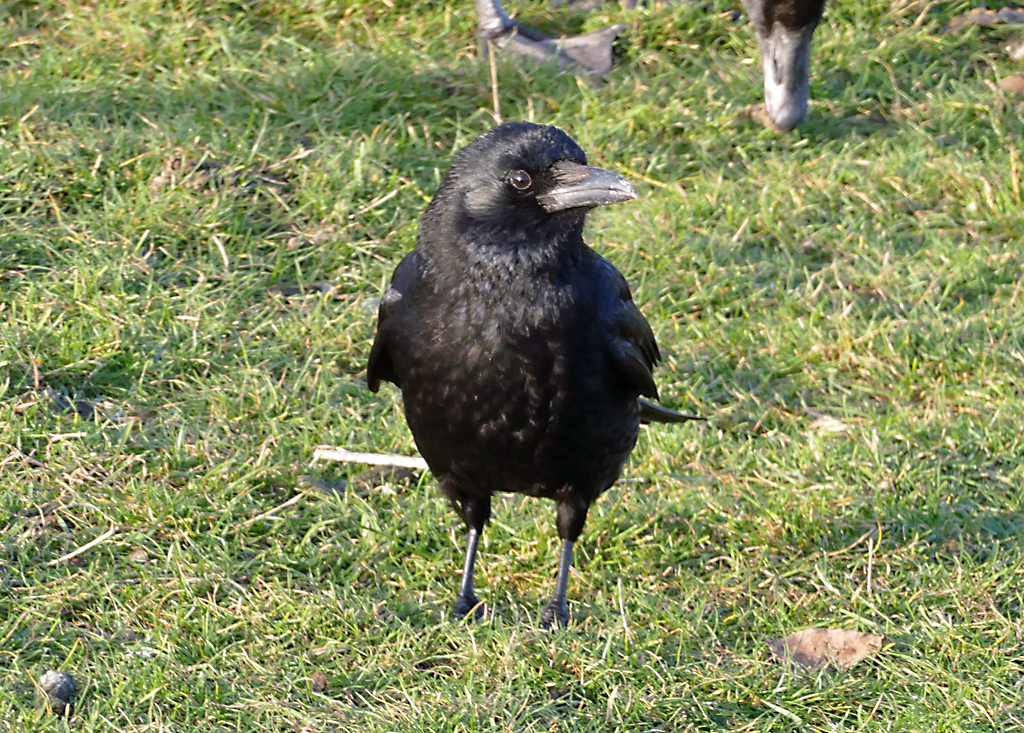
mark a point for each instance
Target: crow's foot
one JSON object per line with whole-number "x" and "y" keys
{"x": 466, "y": 605}
{"x": 555, "y": 612}
{"x": 589, "y": 51}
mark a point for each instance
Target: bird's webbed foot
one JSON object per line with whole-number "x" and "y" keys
{"x": 556, "y": 612}
{"x": 590, "y": 51}
{"x": 467, "y": 604}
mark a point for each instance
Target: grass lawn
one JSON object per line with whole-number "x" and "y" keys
{"x": 200, "y": 203}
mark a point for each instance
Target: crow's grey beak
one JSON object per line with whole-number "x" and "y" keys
{"x": 580, "y": 186}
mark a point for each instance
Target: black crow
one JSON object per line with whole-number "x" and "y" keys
{"x": 518, "y": 349}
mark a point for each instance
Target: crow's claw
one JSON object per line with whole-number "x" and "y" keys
{"x": 556, "y": 611}
{"x": 465, "y": 605}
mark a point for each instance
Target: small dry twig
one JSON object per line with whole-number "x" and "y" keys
{"x": 374, "y": 204}
{"x": 294, "y": 500}
{"x": 494, "y": 84}
{"x": 87, "y": 546}
{"x": 374, "y": 459}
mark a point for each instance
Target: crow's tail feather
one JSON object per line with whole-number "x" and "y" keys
{"x": 651, "y": 412}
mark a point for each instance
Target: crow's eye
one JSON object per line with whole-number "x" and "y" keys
{"x": 520, "y": 180}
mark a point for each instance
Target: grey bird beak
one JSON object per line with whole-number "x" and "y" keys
{"x": 581, "y": 186}
{"x": 786, "y": 61}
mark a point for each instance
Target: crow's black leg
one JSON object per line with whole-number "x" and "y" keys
{"x": 475, "y": 510}
{"x": 570, "y": 518}
{"x": 467, "y": 600}
{"x": 557, "y": 610}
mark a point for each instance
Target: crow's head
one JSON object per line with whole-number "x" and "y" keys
{"x": 526, "y": 179}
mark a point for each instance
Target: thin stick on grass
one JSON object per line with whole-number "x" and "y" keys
{"x": 84, "y": 548}
{"x": 924, "y": 14}
{"x": 739, "y": 232}
{"x": 871, "y": 560}
{"x": 374, "y": 204}
{"x": 625, "y": 621}
{"x": 374, "y": 459}
{"x": 836, "y": 553}
{"x": 223, "y": 254}
{"x": 494, "y": 83}
{"x": 1014, "y": 175}
{"x": 294, "y": 500}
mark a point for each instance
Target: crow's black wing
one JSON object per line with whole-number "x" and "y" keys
{"x": 396, "y": 299}
{"x": 631, "y": 346}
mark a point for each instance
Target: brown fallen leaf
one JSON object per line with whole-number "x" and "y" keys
{"x": 826, "y": 424}
{"x": 1013, "y": 84}
{"x": 816, "y": 648}
{"x": 318, "y": 682}
{"x": 975, "y": 16}
{"x": 985, "y": 17}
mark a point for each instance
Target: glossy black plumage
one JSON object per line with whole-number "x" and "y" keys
{"x": 518, "y": 349}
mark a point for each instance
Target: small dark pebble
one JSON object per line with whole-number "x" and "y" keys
{"x": 58, "y": 690}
